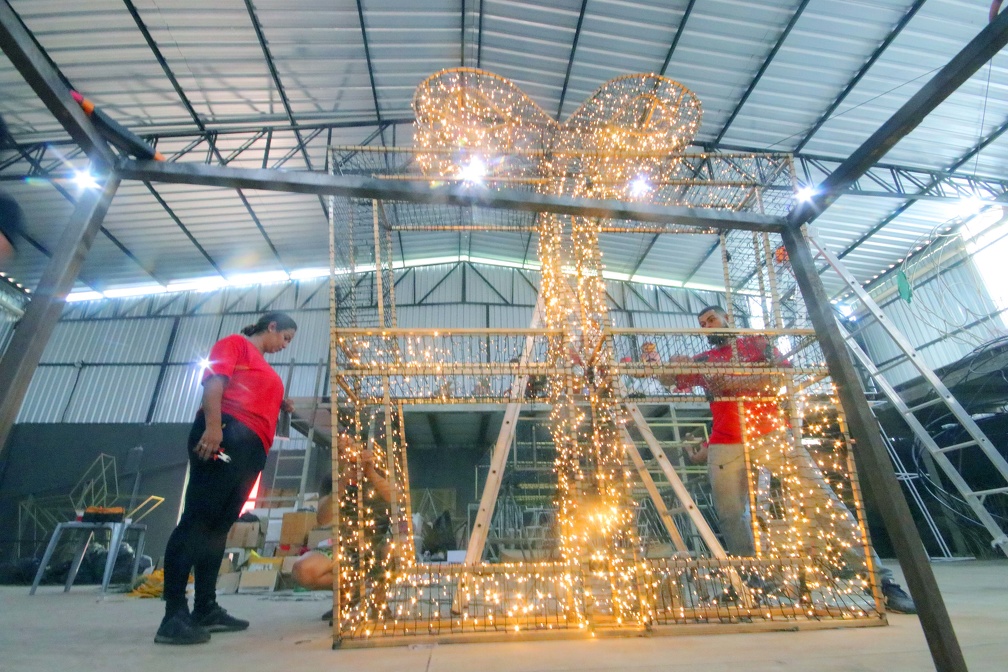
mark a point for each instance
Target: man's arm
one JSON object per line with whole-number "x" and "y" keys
{"x": 324, "y": 515}
{"x": 751, "y": 351}
{"x": 380, "y": 483}
{"x": 680, "y": 380}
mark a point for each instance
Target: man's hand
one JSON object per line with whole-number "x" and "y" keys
{"x": 287, "y": 405}
{"x": 670, "y": 379}
{"x": 696, "y": 453}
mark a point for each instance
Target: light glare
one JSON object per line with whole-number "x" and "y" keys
{"x": 85, "y": 180}
{"x": 474, "y": 172}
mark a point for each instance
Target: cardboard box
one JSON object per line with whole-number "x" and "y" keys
{"x": 295, "y": 527}
{"x": 255, "y": 580}
{"x": 318, "y": 535}
{"x": 244, "y": 535}
{"x": 228, "y": 583}
{"x": 288, "y": 564}
{"x": 258, "y": 564}
{"x": 288, "y": 550}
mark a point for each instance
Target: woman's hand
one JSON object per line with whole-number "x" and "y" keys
{"x": 210, "y": 443}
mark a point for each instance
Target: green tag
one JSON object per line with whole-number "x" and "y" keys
{"x": 903, "y": 286}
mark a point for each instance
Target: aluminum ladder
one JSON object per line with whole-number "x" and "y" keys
{"x": 975, "y": 499}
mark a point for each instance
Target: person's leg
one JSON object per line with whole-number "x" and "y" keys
{"x": 235, "y": 480}
{"x": 182, "y": 553}
{"x": 832, "y": 524}
{"x": 836, "y": 522}
{"x": 182, "y": 549}
{"x": 313, "y": 571}
{"x": 730, "y": 491}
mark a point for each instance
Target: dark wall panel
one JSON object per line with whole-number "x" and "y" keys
{"x": 49, "y": 459}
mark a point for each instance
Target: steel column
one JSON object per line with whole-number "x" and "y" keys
{"x": 22, "y": 356}
{"x": 875, "y": 471}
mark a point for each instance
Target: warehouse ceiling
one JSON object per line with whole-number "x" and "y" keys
{"x": 273, "y": 83}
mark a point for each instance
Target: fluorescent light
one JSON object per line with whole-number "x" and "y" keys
{"x": 84, "y": 296}
{"x": 215, "y": 282}
{"x": 208, "y": 284}
{"x": 805, "y": 194}
{"x": 309, "y": 273}
{"x": 264, "y": 278}
{"x": 503, "y": 263}
{"x": 611, "y": 275}
{"x": 141, "y": 290}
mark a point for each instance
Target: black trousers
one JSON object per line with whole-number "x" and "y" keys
{"x": 213, "y": 500}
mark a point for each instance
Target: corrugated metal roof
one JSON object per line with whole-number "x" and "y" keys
{"x": 196, "y": 77}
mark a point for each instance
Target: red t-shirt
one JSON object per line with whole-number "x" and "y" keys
{"x": 253, "y": 392}
{"x": 762, "y": 417}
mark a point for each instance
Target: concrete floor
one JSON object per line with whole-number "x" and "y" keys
{"x": 81, "y": 631}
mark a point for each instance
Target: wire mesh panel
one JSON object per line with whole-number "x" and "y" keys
{"x": 590, "y": 525}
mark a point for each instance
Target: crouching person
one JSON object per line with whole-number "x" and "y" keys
{"x": 314, "y": 570}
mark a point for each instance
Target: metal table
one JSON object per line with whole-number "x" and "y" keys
{"x": 117, "y": 534}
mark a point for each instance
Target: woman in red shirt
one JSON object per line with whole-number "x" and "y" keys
{"x": 233, "y": 430}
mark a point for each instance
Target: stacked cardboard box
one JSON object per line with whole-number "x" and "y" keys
{"x": 260, "y": 575}
{"x": 245, "y": 535}
{"x": 295, "y": 528}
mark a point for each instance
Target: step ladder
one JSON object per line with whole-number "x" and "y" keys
{"x": 976, "y": 499}
{"x": 293, "y": 462}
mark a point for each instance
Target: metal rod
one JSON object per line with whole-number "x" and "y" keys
{"x": 963, "y": 65}
{"x": 875, "y": 471}
{"x": 31, "y": 336}
{"x": 421, "y": 191}
{"x": 51, "y": 88}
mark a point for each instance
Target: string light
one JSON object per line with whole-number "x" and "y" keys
{"x": 627, "y": 141}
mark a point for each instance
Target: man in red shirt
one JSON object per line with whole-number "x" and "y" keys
{"x": 761, "y": 425}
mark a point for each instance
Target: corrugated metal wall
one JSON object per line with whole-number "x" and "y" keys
{"x": 137, "y": 360}
{"x": 6, "y": 331}
{"x": 119, "y": 360}
{"x": 948, "y": 317}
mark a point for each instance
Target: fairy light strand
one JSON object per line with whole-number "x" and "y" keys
{"x": 628, "y": 141}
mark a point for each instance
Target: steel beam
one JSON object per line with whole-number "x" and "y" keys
{"x": 897, "y": 29}
{"x": 763, "y": 68}
{"x": 570, "y": 59}
{"x": 882, "y": 180}
{"x": 875, "y": 470}
{"x": 32, "y": 333}
{"x": 370, "y": 68}
{"x": 675, "y": 40}
{"x": 899, "y": 182}
{"x": 50, "y": 87}
{"x": 963, "y": 65}
{"x": 422, "y": 192}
